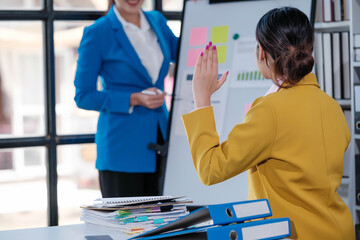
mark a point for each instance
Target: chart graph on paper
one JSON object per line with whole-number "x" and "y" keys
{"x": 244, "y": 69}
{"x": 249, "y": 76}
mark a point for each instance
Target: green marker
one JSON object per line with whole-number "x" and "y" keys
{"x": 236, "y": 36}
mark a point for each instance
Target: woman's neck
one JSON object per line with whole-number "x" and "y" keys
{"x": 133, "y": 18}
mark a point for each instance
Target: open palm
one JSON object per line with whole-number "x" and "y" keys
{"x": 205, "y": 80}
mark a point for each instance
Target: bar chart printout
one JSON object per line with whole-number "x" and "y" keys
{"x": 245, "y": 72}
{"x": 249, "y": 76}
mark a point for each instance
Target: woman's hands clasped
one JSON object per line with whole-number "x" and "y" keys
{"x": 150, "y": 101}
{"x": 205, "y": 80}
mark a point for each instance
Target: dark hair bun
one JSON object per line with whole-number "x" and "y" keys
{"x": 296, "y": 63}
{"x": 287, "y": 36}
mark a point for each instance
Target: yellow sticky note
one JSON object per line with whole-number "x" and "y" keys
{"x": 221, "y": 51}
{"x": 219, "y": 34}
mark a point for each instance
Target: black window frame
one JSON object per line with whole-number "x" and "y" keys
{"x": 51, "y": 140}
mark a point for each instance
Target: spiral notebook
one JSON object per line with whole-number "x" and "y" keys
{"x": 124, "y": 201}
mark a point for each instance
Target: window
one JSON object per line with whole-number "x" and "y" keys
{"x": 21, "y": 4}
{"x": 173, "y": 5}
{"x": 77, "y": 180}
{"x": 22, "y": 79}
{"x": 23, "y": 179}
{"x": 69, "y": 118}
{"x": 47, "y": 148}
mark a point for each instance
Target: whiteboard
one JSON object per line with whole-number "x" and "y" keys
{"x": 231, "y": 26}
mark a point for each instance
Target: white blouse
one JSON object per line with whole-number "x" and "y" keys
{"x": 145, "y": 43}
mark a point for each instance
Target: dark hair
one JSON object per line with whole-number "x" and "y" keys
{"x": 287, "y": 35}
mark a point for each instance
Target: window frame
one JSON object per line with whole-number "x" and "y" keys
{"x": 47, "y": 15}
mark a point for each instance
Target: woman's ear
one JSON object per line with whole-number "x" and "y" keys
{"x": 262, "y": 62}
{"x": 262, "y": 55}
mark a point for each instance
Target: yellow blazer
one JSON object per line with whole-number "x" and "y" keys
{"x": 292, "y": 143}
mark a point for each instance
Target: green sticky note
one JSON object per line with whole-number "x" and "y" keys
{"x": 221, "y": 51}
{"x": 219, "y": 34}
{"x": 129, "y": 220}
{"x": 122, "y": 214}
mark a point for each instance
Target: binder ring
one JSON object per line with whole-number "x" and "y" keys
{"x": 233, "y": 235}
{"x": 229, "y": 212}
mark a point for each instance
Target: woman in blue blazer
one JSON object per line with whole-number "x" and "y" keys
{"x": 128, "y": 120}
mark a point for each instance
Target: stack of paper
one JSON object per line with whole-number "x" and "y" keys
{"x": 135, "y": 215}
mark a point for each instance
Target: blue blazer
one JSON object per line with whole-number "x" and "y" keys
{"x": 122, "y": 139}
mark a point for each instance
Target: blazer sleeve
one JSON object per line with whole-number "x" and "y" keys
{"x": 170, "y": 35}
{"x": 88, "y": 70}
{"x": 247, "y": 145}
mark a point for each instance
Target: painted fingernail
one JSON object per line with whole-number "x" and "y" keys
{"x": 227, "y": 73}
{"x": 214, "y": 47}
{"x": 202, "y": 53}
{"x": 207, "y": 47}
{"x": 210, "y": 43}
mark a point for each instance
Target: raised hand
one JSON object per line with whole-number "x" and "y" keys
{"x": 205, "y": 80}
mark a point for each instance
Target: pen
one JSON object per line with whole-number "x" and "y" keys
{"x": 148, "y": 92}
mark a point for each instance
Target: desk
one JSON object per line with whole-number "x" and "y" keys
{"x": 68, "y": 232}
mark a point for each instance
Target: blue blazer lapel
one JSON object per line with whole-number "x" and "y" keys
{"x": 123, "y": 40}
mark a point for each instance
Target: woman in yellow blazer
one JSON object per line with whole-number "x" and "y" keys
{"x": 292, "y": 141}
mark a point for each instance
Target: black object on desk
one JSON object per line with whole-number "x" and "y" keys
{"x": 98, "y": 237}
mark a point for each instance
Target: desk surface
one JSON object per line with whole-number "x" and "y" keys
{"x": 73, "y": 232}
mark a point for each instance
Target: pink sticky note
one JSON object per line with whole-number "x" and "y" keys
{"x": 193, "y": 55}
{"x": 198, "y": 36}
{"x": 247, "y": 107}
